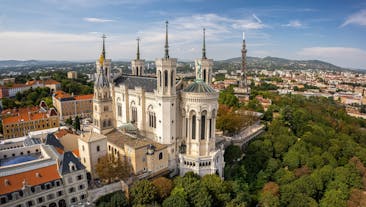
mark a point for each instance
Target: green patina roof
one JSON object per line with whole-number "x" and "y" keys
{"x": 199, "y": 86}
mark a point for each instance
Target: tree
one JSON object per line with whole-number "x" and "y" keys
{"x": 69, "y": 121}
{"x": 110, "y": 167}
{"x": 175, "y": 201}
{"x": 232, "y": 154}
{"x": 116, "y": 199}
{"x": 77, "y": 123}
{"x": 143, "y": 192}
{"x": 164, "y": 186}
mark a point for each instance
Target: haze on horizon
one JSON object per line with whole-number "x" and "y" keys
{"x": 331, "y": 31}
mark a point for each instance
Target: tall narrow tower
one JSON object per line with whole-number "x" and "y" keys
{"x": 103, "y": 119}
{"x": 243, "y": 82}
{"x": 137, "y": 65}
{"x": 203, "y": 64}
{"x": 166, "y": 70}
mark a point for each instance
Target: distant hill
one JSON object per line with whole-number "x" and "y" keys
{"x": 20, "y": 63}
{"x": 281, "y": 63}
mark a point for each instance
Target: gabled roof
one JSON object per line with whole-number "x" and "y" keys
{"x": 38, "y": 176}
{"x": 70, "y": 159}
{"x": 147, "y": 83}
{"x": 52, "y": 140}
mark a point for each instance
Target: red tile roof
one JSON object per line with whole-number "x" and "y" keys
{"x": 23, "y": 114}
{"x": 84, "y": 97}
{"x": 15, "y": 181}
{"x": 50, "y": 82}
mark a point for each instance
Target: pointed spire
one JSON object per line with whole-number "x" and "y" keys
{"x": 166, "y": 40}
{"x": 103, "y": 52}
{"x": 138, "y": 49}
{"x": 204, "y": 44}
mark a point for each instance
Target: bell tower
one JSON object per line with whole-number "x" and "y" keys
{"x": 137, "y": 65}
{"x": 103, "y": 120}
{"x": 203, "y": 64}
{"x": 166, "y": 98}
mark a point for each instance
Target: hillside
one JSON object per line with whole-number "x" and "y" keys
{"x": 280, "y": 63}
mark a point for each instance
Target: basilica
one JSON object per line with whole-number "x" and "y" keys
{"x": 176, "y": 118}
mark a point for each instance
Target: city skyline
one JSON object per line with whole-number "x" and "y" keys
{"x": 70, "y": 30}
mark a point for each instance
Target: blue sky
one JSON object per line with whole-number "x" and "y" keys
{"x": 333, "y": 31}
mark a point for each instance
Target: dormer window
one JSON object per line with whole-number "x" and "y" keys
{"x": 6, "y": 182}
{"x": 38, "y": 175}
{"x": 72, "y": 167}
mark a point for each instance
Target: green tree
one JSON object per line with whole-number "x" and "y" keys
{"x": 76, "y": 123}
{"x": 116, "y": 199}
{"x": 143, "y": 192}
{"x": 69, "y": 121}
{"x": 175, "y": 201}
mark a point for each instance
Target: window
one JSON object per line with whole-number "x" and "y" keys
{"x": 204, "y": 75}
{"x": 152, "y": 120}
{"x": 73, "y": 200}
{"x": 30, "y": 203}
{"x": 98, "y": 148}
{"x": 165, "y": 78}
{"x": 159, "y": 78}
{"x": 210, "y": 132}
{"x": 83, "y": 147}
{"x": 105, "y": 108}
{"x": 172, "y": 79}
{"x": 82, "y": 197}
{"x": 203, "y": 126}
{"x": 59, "y": 193}
{"x": 40, "y": 199}
{"x": 119, "y": 109}
{"x": 160, "y": 155}
{"x": 81, "y": 187}
{"x": 134, "y": 114}
{"x": 194, "y": 127}
{"x": 71, "y": 190}
{"x": 69, "y": 180}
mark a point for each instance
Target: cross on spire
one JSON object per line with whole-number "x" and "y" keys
{"x": 166, "y": 40}
{"x": 204, "y": 45}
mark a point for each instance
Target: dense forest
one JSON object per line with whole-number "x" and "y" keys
{"x": 312, "y": 154}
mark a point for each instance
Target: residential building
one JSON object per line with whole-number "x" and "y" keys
{"x": 18, "y": 122}
{"x": 36, "y": 174}
{"x": 72, "y": 75}
{"x": 71, "y": 106}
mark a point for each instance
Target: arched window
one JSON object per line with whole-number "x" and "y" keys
{"x": 194, "y": 127}
{"x": 160, "y": 155}
{"x": 204, "y": 75}
{"x": 172, "y": 79}
{"x": 203, "y": 126}
{"x": 165, "y": 78}
{"x": 98, "y": 148}
{"x": 109, "y": 122}
{"x": 134, "y": 114}
{"x": 159, "y": 78}
{"x": 104, "y": 123}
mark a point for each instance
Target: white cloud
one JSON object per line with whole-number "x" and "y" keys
{"x": 97, "y": 20}
{"x": 185, "y": 40}
{"x": 358, "y": 18}
{"x": 294, "y": 24}
{"x": 342, "y": 56}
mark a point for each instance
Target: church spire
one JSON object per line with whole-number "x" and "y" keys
{"x": 166, "y": 41}
{"x": 102, "y": 56}
{"x": 103, "y": 52}
{"x": 138, "y": 49}
{"x": 204, "y": 45}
